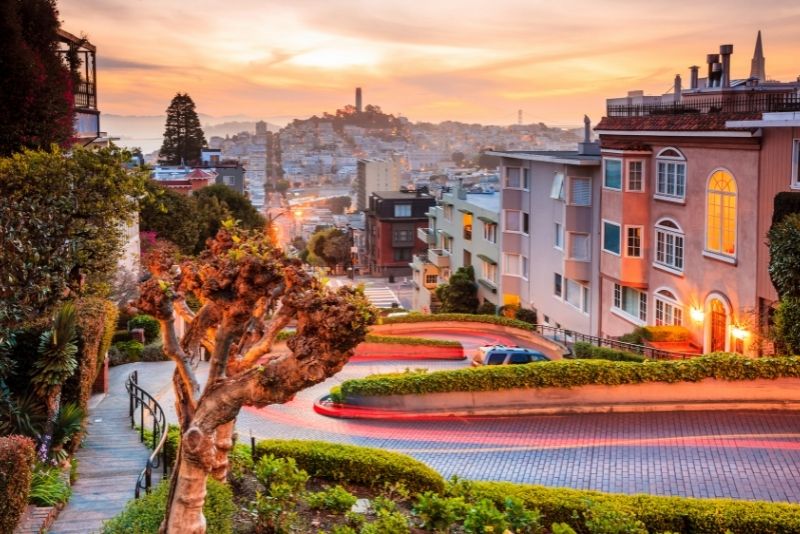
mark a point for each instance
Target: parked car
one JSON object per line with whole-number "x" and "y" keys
{"x": 506, "y": 355}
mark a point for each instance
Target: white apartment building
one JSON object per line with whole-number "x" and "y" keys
{"x": 376, "y": 175}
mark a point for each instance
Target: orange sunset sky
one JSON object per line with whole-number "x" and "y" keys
{"x": 467, "y": 60}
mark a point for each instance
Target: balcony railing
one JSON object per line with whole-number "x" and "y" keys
{"x": 85, "y": 95}
{"x": 426, "y": 235}
{"x": 733, "y": 103}
{"x": 439, "y": 257}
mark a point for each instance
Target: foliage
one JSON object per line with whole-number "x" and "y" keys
{"x": 68, "y": 426}
{"x": 183, "y": 136}
{"x": 154, "y": 352}
{"x": 335, "y": 499}
{"x": 785, "y": 203}
{"x": 16, "y": 464}
{"x": 787, "y": 324}
{"x": 526, "y": 315}
{"x": 284, "y": 483}
{"x": 48, "y": 486}
{"x": 583, "y": 350}
{"x": 439, "y": 513}
{"x": 607, "y": 519}
{"x": 171, "y": 445}
{"x": 573, "y": 373}
{"x": 484, "y": 517}
{"x": 164, "y": 212}
{"x": 663, "y": 333}
{"x": 486, "y": 308}
{"x": 217, "y": 199}
{"x": 387, "y": 523}
{"x": 460, "y": 294}
{"x": 408, "y": 340}
{"x": 521, "y": 519}
{"x": 62, "y": 226}
{"x": 330, "y": 247}
{"x": 784, "y": 255}
{"x": 37, "y": 107}
{"x": 144, "y": 515}
{"x": 457, "y": 317}
{"x": 131, "y": 351}
{"x": 358, "y": 465}
{"x": 148, "y": 323}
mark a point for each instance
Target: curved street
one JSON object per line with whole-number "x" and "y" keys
{"x": 745, "y": 455}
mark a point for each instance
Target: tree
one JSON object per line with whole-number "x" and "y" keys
{"x": 249, "y": 292}
{"x": 460, "y": 294}
{"x": 330, "y": 246}
{"x": 339, "y": 204}
{"x": 784, "y": 270}
{"x": 62, "y": 226}
{"x": 458, "y": 158}
{"x": 183, "y": 136}
{"x": 171, "y": 215}
{"x": 37, "y": 103}
{"x": 239, "y": 206}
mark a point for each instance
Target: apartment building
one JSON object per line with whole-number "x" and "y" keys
{"x": 375, "y": 175}
{"x": 688, "y": 183}
{"x": 549, "y": 243}
{"x": 462, "y": 230}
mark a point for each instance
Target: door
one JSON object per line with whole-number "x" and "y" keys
{"x": 719, "y": 326}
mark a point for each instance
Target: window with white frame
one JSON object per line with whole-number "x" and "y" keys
{"x": 513, "y": 177}
{"x": 580, "y": 191}
{"x": 585, "y": 301}
{"x": 524, "y": 266}
{"x": 558, "y": 282}
{"x": 490, "y": 232}
{"x": 512, "y": 264}
{"x": 557, "y": 188}
{"x": 579, "y": 246}
{"x": 558, "y": 238}
{"x": 526, "y": 179}
{"x": 489, "y": 271}
{"x": 633, "y": 241}
{"x": 402, "y": 210}
{"x": 668, "y": 309}
{"x": 721, "y": 213}
{"x": 631, "y": 302}
{"x": 636, "y": 176}
{"x": 431, "y": 279}
{"x": 669, "y": 245}
{"x": 612, "y": 237}
{"x": 612, "y": 173}
{"x": 796, "y": 163}
{"x": 573, "y": 293}
{"x": 670, "y": 175}
{"x": 517, "y": 221}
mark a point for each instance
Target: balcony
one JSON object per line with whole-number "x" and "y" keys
{"x": 439, "y": 257}
{"x": 426, "y": 235}
{"x": 578, "y": 270}
{"x": 750, "y": 102}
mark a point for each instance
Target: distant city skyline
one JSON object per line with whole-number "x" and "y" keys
{"x": 440, "y": 61}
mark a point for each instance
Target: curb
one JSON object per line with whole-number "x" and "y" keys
{"x": 324, "y": 406}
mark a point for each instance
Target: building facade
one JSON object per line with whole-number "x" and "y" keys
{"x": 392, "y": 221}
{"x": 373, "y": 175}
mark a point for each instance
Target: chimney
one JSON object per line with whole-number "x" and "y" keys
{"x": 725, "y": 51}
{"x": 694, "y": 70}
{"x": 587, "y": 147}
{"x": 711, "y": 59}
{"x": 358, "y": 99}
{"x": 678, "y": 88}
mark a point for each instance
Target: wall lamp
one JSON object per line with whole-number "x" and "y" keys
{"x": 697, "y": 314}
{"x": 739, "y": 332}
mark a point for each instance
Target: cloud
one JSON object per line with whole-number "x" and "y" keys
{"x": 113, "y": 63}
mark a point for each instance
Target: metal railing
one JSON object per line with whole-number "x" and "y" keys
{"x": 85, "y": 95}
{"x": 753, "y": 102}
{"x": 570, "y": 337}
{"x": 141, "y": 400}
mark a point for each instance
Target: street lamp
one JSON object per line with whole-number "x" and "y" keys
{"x": 353, "y": 252}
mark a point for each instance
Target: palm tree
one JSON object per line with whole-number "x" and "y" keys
{"x": 55, "y": 363}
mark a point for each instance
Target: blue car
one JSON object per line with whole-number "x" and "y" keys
{"x": 506, "y": 355}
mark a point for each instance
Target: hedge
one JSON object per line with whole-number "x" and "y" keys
{"x": 458, "y": 317}
{"x": 17, "y": 454}
{"x": 657, "y": 333}
{"x": 150, "y": 325}
{"x": 571, "y": 373}
{"x": 587, "y": 351}
{"x": 390, "y": 340}
{"x": 659, "y": 514}
{"x": 359, "y": 465}
{"x": 144, "y": 516}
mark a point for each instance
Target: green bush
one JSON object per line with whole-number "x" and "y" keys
{"x": 439, "y": 513}
{"x": 284, "y": 484}
{"x": 526, "y": 315}
{"x": 144, "y": 516}
{"x": 484, "y": 517}
{"x": 420, "y": 341}
{"x": 587, "y": 351}
{"x": 459, "y": 317}
{"x": 121, "y": 335}
{"x": 657, "y": 514}
{"x": 129, "y": 351}
{"x": 387, "y": 523}
{"x": 572, "y": 373}
{"x": 357, "y": 465}
{"x": 154, "y": 352}
{"x": 16, "y": 463}
{"x": 172, "y": 444}
{"x": 48, "y": 487}
{"x": 486, "y": 308}
{"x": 150, "y": 325}
{"x": 657, "y": 333}
{"x": 335, "y": 499}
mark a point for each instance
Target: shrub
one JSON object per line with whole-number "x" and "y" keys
{"x": 486, "y": 308}
{"x": 284, "y": 484}
{"x": 572, "y": 373}
{"x": 387, "y": 523}
{"x": 154, "y": 352}
{"x": 587, "y": 351}
{"x": 458, "y": 317}
{"x": 16, "y": 463}
{"x": 520, "y": 519}
{"x": 144, "y": 516}
{"x": 336, "y": 499}
{"x": 48, "y": 487}
{"x": 150, "y": 325}
{"x": 439, "y": 513}
{"x": 358, "y": 465}
{"x": 121, "y": 335}
{"x": 666, "y": 333}
{"x": 608, "y": 519}
{"x": 527, "y": 316}
{"x": 403, "y": 340}
{"x": 172, "y": 444}
{"x": 484, "y": 517}
{"x": 130, "y": 351}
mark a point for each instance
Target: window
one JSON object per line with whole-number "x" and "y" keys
{"x": 490, "y": 232}
{"x": 403, "y": 236}
{"x": 633, "y": 241}
{"x": 572, "y": 293}
{"x": 721, "y": 214}
{"x": 558, "y": 241}
{"x": 526, "y": 179}
{"x": 516, "y": 221}
{"x": 631, "y": 302}
{"x": 668, "y": 310}
{"x": 796, "y": 164}
{"x": 524, "y": 267}
{"x": 525, "y": 223}
{"x": 402, "y": 254}
{"x": 519, "y": 358}
{"x": 512, "y": 264}
{"x": 513, "y": 177}
{"x": 489, "y": 271}
{"x": 612, "y": 174}
{"x": 579, "y": 246}
{"x": 557, "y": 283}
{"x": 635, "y": 176}
{"x": 671, "y": 175}
{"x": 611, "y": 237}
{"x": 557, "y": 189}
{"x": 448, "y": 212}
{"x": 402, "y": 210}
{"x": 669, "y": 245}
{"x": 496, "y": 358}
{"x": 431, "y": 279}
{"x": 585, "y": 304}
{"x": 580, "y": 192}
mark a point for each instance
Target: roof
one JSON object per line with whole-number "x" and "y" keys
{"x": 567, "y": 157}
{"x": 399, "y": 195}
{"x": 685, "y": 122}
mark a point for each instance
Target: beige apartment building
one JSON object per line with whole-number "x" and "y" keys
{"x": 375, "y": 175}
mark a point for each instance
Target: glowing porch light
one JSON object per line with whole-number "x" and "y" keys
{"x": 697, "y": 314}
{"x": 739, "y": 333}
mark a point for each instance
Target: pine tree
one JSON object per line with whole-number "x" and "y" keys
{"x": 183, "y": 136}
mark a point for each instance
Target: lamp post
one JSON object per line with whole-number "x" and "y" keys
{"x": 353, "y": 253}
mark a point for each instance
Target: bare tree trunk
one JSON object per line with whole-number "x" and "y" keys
{"x": 52, "y": 403}
{"x": 223, "y": 445}
{"x": 188, "y": 491}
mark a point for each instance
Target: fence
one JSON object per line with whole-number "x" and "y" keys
{"x": 141, "y": 400}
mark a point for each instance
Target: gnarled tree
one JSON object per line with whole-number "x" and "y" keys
{"x": 249, "y": 292}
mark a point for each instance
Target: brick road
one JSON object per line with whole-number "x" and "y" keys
{"x": 745, "y": 455}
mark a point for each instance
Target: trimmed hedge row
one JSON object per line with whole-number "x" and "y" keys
{"x": 359, "y": 465}
{"x": 586, "y": 351}
{"x": 16, "y": 468}
{"x": 144, "y": 516}
{"x": 657, "y": 333}
{"x": 571, "y": 373}
{"x": 419, "y": 341}
{"x": 659, "y": 514}
{"x": 458, "y": 317}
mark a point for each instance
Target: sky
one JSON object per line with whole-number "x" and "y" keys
{"x": 466, "y": 60}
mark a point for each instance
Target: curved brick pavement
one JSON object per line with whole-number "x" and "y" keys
{"x": 746, "y": 455}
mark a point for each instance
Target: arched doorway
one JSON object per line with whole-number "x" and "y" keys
{"x": 719, "y": 326}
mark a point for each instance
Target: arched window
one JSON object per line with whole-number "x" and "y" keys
{"x": 671, "y": 175}
{"x": 669, "y": 245}
{"x": 669, "y": 310}
{"x": 721, "y": 213}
